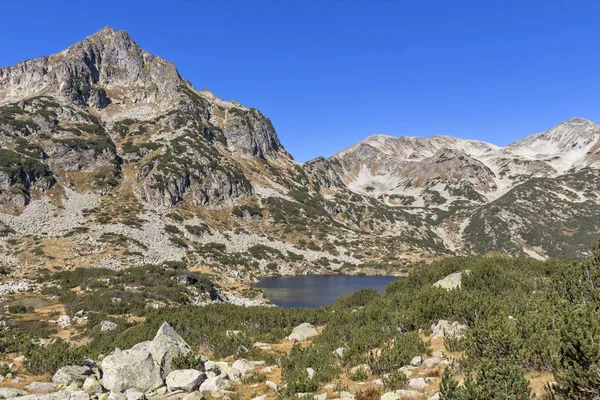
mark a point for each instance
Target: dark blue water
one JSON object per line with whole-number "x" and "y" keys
{"x": 317, "y": 290}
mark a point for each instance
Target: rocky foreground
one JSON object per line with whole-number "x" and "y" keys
{"x": 148, "y": 371}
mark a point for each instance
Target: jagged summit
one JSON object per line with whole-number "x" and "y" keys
{"x": 113, "y": 159}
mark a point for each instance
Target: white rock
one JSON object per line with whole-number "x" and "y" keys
{"x": 310, "y": 372}
{"x": 107, "y": 326}
{"x": 435, "y": 396}
{"x": 432, "y": 362}
{"x": 403, "y": 393}
{"x": 346, "y": 395}
{"x": 340, "y": 351}
{"x": 416, "y": 361}
{"x": 417, "y": 383}
{"x": 303, "y": 332}
{"x": 184, "y": 379}
{"x": 390, "y": 396}
{"x": 262, "y": 397}
{"x": 272, "y": 385}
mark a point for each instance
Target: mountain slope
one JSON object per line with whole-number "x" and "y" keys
{"x": 108, "y": 157}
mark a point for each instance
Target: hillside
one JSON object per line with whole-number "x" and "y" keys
{"x": 109, "y": 158}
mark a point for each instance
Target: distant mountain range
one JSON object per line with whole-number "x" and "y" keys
{"x": 109, "y": 158}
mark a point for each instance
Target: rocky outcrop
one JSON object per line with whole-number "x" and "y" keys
{"x": 145, "y": 366}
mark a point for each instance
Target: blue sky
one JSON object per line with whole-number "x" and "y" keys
{"x": 329, "y": 73}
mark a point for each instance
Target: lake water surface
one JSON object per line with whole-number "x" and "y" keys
{"x": 317, "y": 290}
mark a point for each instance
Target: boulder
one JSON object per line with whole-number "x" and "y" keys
{"x": 452, "y": 281}
{"x": 107, "y": 326}
{"x": 41, "y": 387}
{"x": 71, "y": 374}
{"x": 91, "y": 385}
{"x": 134, "y": 394}
{"x": 432, "y": 362}
{"x": 184, "y": 379}
{"x": 131, "y": 369}
{"x": 435, "y": 396}
{"x": 210, "y": 366}
{"x": 303, "y": 332}
{"x": 417, "y": 383}
{"x": 322, "y": 396}
{"x": 346, "y": 395}
{"x": 166, "y": 345}
{"x": 9, "y": 393}
{"x": 263, "y": 397}
{"x": 416, "y": 361}
{"x": 213, "y": 383}
{"x": 62, "y": 395}
{"x": 245, "y": 366}
{"x": 272, "y": 385}
{"x": 116, "y": 396}
{"x": 194, "y": 396}
{"x": 447, "y": 328}
{"x": 408, "y": 394}
{"x": 390, "y": 396}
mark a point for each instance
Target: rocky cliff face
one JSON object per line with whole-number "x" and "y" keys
{"x": 108, "y": 157}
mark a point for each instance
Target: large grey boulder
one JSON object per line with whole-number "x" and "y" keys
{"x": 302, "y": 332}
{"x": 447, "y": 328}
{"x": 131, "y": 369}
{"x": 71, "y": 374}
{"x": 184, "y": 379}
{"x": 92, "y": 385}
{"x": 452, "y": 281}
{"x": 165, "y": 346}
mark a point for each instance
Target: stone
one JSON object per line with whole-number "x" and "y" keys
{"x": 70, "y": 374}
{"x": 9, "y": 393}
{"x": 390, "y": 396}
{"x": 107, "y": 326}
{"x": 417, "y": 383}
{"x": 346, "y": 395}
{"x": 447, "y": 328}
{"x": 245, "y": 366}
{"x": 91, "y": 385}
{"x": 215, "y": 383}
{"x": 266, "y": 370}
{"x": 131, "y": 369}
{"x": 408, "y": 394}
{"x": 41, "y": 387}
{"x": 406, "y": 370}
{"x": 61, "y": 395}
{"x": 262, "y": 346}
{"x": 436, "y": 396}
{"x": 432, "y": 362}
{"x": 452, "y": 281}
{"x": 416, "y": 361}
{"x": 184, "y": 379}
{"x": 340, "y": 351}
{"x": 194, "y": 396}
{"x": 303, "y": 332}
{"x": 378, "y": 382}
{"x": 322, "y": 396}
{"x": 438, "y": 353}
{"x": 134, "y": 394}
{"x": 210, "y": 366}
{"x": 64, "y": 321}
{"x": 310, "y": 372}
{"x": 262, "y": 397}
{"x": 272, "y": 385}
{"x": 116, "y": 396}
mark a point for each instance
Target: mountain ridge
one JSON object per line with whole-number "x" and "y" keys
{"x": 109, "y": 158}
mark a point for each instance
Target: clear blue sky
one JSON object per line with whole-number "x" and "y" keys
{"x": 329, "y": 73}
